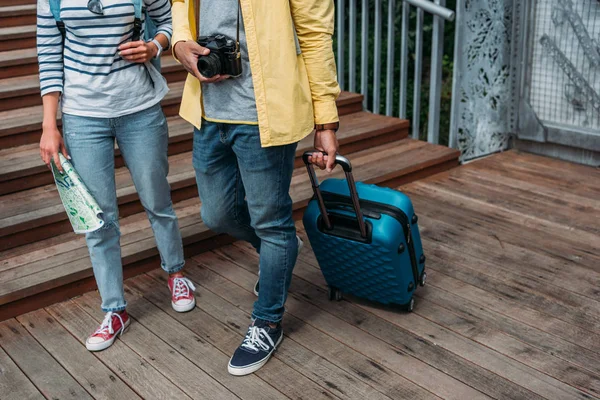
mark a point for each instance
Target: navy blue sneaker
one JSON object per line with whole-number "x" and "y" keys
{"x": 256, "y": 349}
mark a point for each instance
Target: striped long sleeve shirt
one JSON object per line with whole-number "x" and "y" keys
{"x": 87, "y": 69}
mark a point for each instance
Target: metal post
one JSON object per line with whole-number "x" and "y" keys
{"x": 389, "y": 85}
{"x": 416, "y": 118}
{"x": 453, "y": 138}
{"x": 437, "y": 54}
{"x": 352, "y": 47}
{"x": 341, "y": 67}
{"x": 364, "y": 52}
{"x": 404, "y": 60}
{"x": 377, "y": 59}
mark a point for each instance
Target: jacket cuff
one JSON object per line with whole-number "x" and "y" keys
{"x": 325, "y": 112}
{"x": 179, "y": 37}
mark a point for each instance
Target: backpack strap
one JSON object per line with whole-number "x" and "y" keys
{"x": 137, "y": 22}
{"x": 55, "y": 10}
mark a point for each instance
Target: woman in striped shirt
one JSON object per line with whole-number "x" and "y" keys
{"x": 109, "y": 91}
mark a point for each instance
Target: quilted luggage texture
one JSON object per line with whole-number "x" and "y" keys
{"x": 385, "y": 263}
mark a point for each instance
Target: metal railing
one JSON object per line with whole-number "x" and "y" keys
{"x": 347, "y": 62}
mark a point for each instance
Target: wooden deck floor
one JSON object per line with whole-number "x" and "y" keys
{"x": 511, "y": 311}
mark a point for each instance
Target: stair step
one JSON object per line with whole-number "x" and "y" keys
{"x": 15, "y": 63}
{"x": 8, "y": 3}
{"x": 23, "y": 219}
{"x": 17, "y": 37}
{"x": 18, "y": 15}
{"x": 50, "y": 273}
{"x": 23, "y": 126}
{"x": 21, "y": 167}
{"x": 24, "y": 91}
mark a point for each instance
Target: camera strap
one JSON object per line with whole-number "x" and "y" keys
{"x": 237, "y": 38}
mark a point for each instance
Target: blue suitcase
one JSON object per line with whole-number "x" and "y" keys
{"x": 366, "y": 239}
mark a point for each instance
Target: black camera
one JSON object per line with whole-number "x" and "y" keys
{"x": 224, "y": 57}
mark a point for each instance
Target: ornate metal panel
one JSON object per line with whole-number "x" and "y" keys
{"x": 482, "y": 118}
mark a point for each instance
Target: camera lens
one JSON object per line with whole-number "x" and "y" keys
{"x": 209, "y": 65}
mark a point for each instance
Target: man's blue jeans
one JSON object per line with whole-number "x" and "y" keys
{"x": 244, "y": 190}
{"x": 143, "y": 139}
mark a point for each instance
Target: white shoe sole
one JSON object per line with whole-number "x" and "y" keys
{"x": 253, "y": 367}
{"x": 184, "y": 308}
{"x": 108, "y": 343}
{"x": 300, "y": 245}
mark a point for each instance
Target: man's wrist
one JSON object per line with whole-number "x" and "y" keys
{"x": 332, "y": 126}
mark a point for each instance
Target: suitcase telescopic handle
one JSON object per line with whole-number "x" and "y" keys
{"x": 347, "y": 167}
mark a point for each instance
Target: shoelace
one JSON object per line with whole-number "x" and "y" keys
{"x": 107, "y": 324}
{"x": 254, "y": 339}
{"x": 182, "y": 286}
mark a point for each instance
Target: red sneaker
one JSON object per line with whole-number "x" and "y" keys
{"x": 182, "y": 294}
{"x": 114, "y": 325}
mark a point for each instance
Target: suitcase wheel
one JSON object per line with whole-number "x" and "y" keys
{"x": 423, "y": 279}
{"x": 334, "y": 294}
{"x": 411, "y": 305}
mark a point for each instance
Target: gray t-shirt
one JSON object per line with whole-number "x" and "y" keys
{"x": 231, "y": 100}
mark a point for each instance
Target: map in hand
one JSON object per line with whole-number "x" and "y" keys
{"x": 83, "y": 211}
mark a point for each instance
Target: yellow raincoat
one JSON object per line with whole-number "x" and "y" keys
{"x": 293, "y": 91}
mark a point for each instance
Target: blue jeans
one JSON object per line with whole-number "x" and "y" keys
{"x": 143, "y": 139}
{"x": 244, "y": 190}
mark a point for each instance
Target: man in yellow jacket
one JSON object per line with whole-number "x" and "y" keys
{"x": 247, "y": 130}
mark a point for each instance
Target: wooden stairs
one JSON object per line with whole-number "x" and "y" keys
{"x": 42, "y": 261}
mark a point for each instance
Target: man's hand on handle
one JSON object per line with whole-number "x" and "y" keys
{"x": 187, "y": 52}
{"x": 325, "y": 141}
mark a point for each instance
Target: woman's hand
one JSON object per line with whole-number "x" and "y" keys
{"x": 50, "y": 145}
{"x": 187, "y": 52}
{"x": 138, "y": 52}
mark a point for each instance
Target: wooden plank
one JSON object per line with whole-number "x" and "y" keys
{"x": 518, "y": 293}
{"x": 225, "y": 333}
{"x": 23, "y": 169}
{"x": 443, "y": 296}
{"x": 48, "y": 376}
{"x": 523, "y": 180}
{"x": 474, "y": 312}
{"x": 98, "y": 380}
{"x": 20, "y": 214}
{"x": 508, "y": 308}
{"x": 532, "y": 290}
{"x": 16, "y": 15}
{"x": 134, "y": 370}
{"x": 512, "y": 379}
{"x": 400, "y": 351}
{"x": 474, "y": 343}
{"x": 558, "y": 169}
{"x": 347, "y": 373}
{"x": 188, "y": 344}
{"x": 522, "y": 201}
{"x": 20, "y": 281}
{"x": 507, "y": 258}
{"x": 195, "y": 382}
{"x": 132, "y": 230}
{"x": 14, "y": 385}
{"x": 520, "y": 229}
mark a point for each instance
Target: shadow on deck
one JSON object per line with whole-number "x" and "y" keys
{"x": 511, "y": 310}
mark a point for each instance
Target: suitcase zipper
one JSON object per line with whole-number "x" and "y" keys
{"x": 394, "y": 212}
